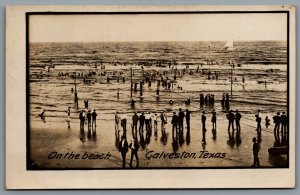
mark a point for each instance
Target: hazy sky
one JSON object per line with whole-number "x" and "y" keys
{"x": 156, "y": 27}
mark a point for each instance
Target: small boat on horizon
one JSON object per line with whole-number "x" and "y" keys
{"x": 229, "y": 45}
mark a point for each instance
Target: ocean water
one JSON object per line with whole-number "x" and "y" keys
{"x": 53, "y": 93}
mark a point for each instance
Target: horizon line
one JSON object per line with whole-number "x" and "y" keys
{"x": 155, "y": 41}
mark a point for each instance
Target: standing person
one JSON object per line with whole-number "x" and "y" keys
{"x": 258, "y": 120}
{"x": 175, "y": 123}
{"x": 164, "y": 120}
{"x": 223, "y": 100}
{"x": 76, "y": 99}
{"x": 255, "y": 150}
{"x": 82, "y": 119}
{"x": 124, "y": 122}
{"x": 69, "y": 114}
{"x": 89, "y": 119}
{"x": 230, "y": 117}
{"x": 238, "y": 117}
{"x": 227, "y": 100}
{"x": 214, "y": 119}
{"x": 267, "y": 120}
{"x": 188, "y": 118}
{"x": 276, "y": 120}
{"x": 157, "y": 92}
{"x": 202, "y": 100}
{"x": 203, "y": 120}
{"x": 181, "y": 119}
{"x": 134, "y": 146}
{"x": 117, "y": 120}
{"x": 69, "y": 117}
{"x": 86, "y": 104}
{"x": 142, "y": 121}
{"x": 147, "y": 121}
{"x": 135, "y": 119}
{"x": 94, "y": 117}
{"x": 284, "y": 121}
{"x": 155, "y": 123}
{"x": 123, "y": 148}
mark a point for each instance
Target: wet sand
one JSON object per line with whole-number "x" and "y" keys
{"x": 49, "y": 137}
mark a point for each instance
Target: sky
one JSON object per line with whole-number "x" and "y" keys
{"x": 158, "y": 27}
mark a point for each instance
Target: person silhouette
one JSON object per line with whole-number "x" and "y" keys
{"x": 123, "y": 148}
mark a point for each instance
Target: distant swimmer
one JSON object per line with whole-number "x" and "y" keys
{"x": 171, "y": 102}
{"x": 188, "y": 101}
{"x": 132, "y": 102}
{"x": 118, "y": 93}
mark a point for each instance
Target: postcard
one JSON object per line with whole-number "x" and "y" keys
{"x": 150, "y": 97}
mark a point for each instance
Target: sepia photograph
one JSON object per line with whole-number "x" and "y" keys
{"x": 195, "y": 91}
{"x": 167, "y": 89}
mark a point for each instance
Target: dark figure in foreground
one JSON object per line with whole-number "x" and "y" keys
{"x": 284, "y": 121}
{"x": 123, "y": 148}
{"x": 214, "y": 119}
{"x": 188, "y": 118}
{"x": 181, "y": 119}
{"x": 142, "y": 121}
{"x": 134, "y": 146}
{"x": 135, "y": 119}
{"x": 255, "y": 150}
{"x": 238, "y": 117}
{"x": 230, "y": 117}
{"x": 94, "y": 118}
{"x": 82, "y": 119}
{"x": 258, "y": 120}
{"x": 89, "y": 119}
{"x": 203, "y": 119}
{"x": 175, "y": 123}
{"x": 276, "y": 120}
